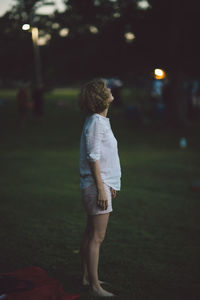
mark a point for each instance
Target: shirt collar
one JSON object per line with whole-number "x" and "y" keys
{"x": 104, "y": 118}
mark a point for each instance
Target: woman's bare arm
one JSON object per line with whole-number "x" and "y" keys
{"x": 102, "y": 200}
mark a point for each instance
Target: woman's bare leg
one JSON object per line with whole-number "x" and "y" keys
{"x": 98, "y": 226}
{"x": 83, "y": 253}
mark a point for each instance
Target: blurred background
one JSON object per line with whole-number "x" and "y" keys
{"x": 48, "y": 44}
{"x": 148, "y": 53}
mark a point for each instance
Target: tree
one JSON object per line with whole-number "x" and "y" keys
{"x": 17, "y": 57}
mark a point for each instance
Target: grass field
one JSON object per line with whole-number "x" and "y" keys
{"x": 152, "y": 247}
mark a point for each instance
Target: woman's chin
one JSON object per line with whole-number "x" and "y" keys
{"x": 110, "y": 100}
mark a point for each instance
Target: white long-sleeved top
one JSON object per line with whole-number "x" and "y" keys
{"x": 99, "y": 144}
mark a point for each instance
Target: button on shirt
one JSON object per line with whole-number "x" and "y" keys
{"x": 99, "y": 144}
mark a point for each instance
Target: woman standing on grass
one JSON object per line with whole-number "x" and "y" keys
{"x": 100, "y": 177}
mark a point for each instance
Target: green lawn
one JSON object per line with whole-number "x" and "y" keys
{"x": 152, "y": 247}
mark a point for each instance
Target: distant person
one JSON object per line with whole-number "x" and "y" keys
{"x": 158, "y": 98}
{"x": 158, "y": 86}
{"x": 22, "y": 103}
{"x": 100, "y": 177}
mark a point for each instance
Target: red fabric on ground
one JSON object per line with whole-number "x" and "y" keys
{"x": 45, "y": 287}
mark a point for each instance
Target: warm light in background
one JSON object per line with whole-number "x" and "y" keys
{"x": 116, "y": 15}
{"x": 50, "y": 7}
{"x": 35, "y": 35}
{"x": 143, "y": 4}
{"x": 159, "y": 74}
{"x": 64, "y": 32}
{"x": 26, "y": 27}
{"x": 93, "y": 29}
{"x": 129, "y": 36}
{"x": 55, "y": 26}
{"x": 43, "y": 40}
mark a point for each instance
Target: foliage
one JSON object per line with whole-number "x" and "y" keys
{"x": 166, "y": 36}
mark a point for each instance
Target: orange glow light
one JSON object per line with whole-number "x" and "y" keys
{"x": 159, "y": 74}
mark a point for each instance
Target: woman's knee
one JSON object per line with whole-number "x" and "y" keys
{"x": 98, "y": 228}
{"x": 98, "y": 237}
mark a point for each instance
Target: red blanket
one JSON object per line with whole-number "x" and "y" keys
{"x": 32, "y": 283}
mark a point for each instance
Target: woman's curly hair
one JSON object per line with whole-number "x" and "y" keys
{"x": 94, "y": 97}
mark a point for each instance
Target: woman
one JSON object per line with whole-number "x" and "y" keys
{"x": 100, "y": 177}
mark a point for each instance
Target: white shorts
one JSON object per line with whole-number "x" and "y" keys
{"x": 89, "y": 199}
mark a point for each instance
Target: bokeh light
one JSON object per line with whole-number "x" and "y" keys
{"x": 26, "y": 27}
{"x": 55, "y": 26}
{"x": 93, "y": 29}
{"x": 35, "y": 35}
{"x": 43, "y": 40}
{"x": 116, "y": 15}
{"x": 64, "y": 32}
{"x": 159, "y": 74}
{"x": 129, "y": 37}
{"x": 143, "y": 4}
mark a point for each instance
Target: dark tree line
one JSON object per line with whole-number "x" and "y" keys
{"x": 166, "y": 36}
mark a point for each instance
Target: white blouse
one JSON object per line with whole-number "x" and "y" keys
{"x": 99, "y": 143}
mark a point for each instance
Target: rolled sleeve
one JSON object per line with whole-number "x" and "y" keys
{"x": 94, "y": 135}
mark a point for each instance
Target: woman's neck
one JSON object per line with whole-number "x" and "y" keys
{"x": 104, "y": 113}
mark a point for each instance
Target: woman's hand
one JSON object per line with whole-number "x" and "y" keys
{"x": 113, "y": 193}
{"x": 102, "y": 200}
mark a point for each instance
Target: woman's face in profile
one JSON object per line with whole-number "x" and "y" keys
{"x": 110, "y": 98}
